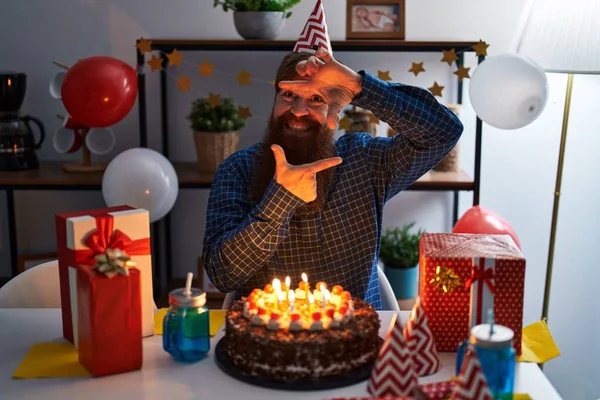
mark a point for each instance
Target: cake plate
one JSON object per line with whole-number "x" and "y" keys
{"x": 346, "y": 379}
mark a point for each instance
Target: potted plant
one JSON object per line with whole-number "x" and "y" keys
{"x": 399, "y": 253}
{"x": 258, "y": 19}
{"x": 216, "y": 131}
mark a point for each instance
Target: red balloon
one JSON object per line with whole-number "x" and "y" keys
{"x": 480, "y": 220}
{"x": 99, "y": 91}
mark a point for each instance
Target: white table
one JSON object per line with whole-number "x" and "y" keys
{"x": 162, "y": 378}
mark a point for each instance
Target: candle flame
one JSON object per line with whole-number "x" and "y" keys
{"x": 322, "y": 287}
{"x": 326, "y": 294}
{"x": 287, "y": 281}
{"x": 311, "y": 298}
{"x": 281, "y": 295}
{"x": 277, "y": 285}
{"x": 304, "y": 277}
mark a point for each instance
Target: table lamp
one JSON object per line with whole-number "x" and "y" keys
{"x": 561, "y": 37}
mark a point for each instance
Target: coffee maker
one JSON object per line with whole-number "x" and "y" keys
{"x": 17, "y": 142}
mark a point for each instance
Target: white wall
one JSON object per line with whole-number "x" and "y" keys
{"x": 518, "y": 168}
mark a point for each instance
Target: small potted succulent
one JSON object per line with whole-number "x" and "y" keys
{"x": 216, "y": 131}
{"x": 258, "y": 19}
{"x": 399, "y": 253}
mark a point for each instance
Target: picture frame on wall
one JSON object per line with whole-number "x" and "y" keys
{"x": 27, "y": 261}
{"x": 204, "y": 283}
{"x": 375, "y": 19}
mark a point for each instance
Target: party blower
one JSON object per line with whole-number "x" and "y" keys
{"x": 97, "y": 92}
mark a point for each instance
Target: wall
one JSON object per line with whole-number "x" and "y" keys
{"x": 518, "y": 168}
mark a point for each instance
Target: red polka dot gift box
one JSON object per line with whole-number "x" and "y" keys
{"x": 462, "y": 276}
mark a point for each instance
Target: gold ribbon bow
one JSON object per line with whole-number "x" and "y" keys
{"x": 445, "y": 280}
{"x": 113, "y": 262}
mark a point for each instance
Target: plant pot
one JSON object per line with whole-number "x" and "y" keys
{"x": 404, "y": 281}
{"x": 214, "y": 147}
{"x": 263, "y": 25}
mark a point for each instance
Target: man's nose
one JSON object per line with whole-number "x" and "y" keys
{"x": 299, "y": 108}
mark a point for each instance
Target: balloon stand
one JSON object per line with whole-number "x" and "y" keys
{"x": 86, "y": 160}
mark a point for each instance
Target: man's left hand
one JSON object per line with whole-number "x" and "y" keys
{"x": 323, "y": 72}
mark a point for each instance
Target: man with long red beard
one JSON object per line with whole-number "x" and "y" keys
{"x": 300, "y": 202}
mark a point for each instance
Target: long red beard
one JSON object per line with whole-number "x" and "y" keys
{"x": 317, "y": 146}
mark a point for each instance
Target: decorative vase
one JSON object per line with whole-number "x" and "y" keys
{"x": 360, "y": 121}
{"x": 214, "y": 147}
{"x": 404, "y": 281}
{"x": 262, "y": 25}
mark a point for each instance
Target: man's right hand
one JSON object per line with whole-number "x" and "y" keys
{"x": 300, "y": 180}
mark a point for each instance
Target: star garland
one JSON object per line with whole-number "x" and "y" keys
{"x": 245, "y": 78}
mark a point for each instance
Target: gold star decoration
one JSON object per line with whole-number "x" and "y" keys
{"x": 144, "y": 46}
{"x": 462, "y": 72}
{"x": 449, "y": 56}
{"x": 175, "y": 58}
{"x": 214, "y": 99}
{"x": 244, "y": 78}
{"x": 384, "y": 75}
{"x": 184, "y": 83}
{"x": 436, "y": 89}
{"x": 344, "y": 123}
{"x": 416, "y": 68}
{"x": 244, "y": 112}
{"x": 391, "y": 132}
{"x": 206, "y": 68}
{"x": 481, "y": 48}
{"x": 373, "y": 119}
{"x": 155, "y": 63}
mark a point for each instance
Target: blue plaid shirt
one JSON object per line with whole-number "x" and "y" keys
{"x": 247, "y": 246}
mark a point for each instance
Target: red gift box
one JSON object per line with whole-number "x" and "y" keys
{"x": 461, "y": 276}
{"x": 82, "y": 235}
{"x": 109, "y": 321}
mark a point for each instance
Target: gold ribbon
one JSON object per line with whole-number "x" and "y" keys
{"x": 113, "y": 262}
{"x": 445, "y": 280}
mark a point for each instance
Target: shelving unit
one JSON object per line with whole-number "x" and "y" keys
{"x": 191, "y": 179}
{"x": 50, "y": 175}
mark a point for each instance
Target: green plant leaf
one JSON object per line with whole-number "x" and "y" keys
{"x": 399, "y": 247}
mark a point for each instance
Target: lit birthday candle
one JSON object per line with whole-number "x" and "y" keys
{"x": 291, "y": 299}
{"x": 277, "y": 288}
{"x": 306, "y": 286}
{"x": 325, "y": 297}
{"x": 288, "y": 282}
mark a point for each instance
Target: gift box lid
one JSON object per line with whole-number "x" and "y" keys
{"x": 457, "y": 245}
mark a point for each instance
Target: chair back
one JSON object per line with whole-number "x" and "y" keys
{"x": 36, "y": 287}
{"x": 388, "y": 298}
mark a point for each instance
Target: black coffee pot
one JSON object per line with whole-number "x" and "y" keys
{"x": 17, "y": 142}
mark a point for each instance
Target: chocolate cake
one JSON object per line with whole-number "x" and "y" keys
{"x": 274, "y": 337}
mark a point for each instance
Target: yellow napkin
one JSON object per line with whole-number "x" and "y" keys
{"x": 537, "y": 344}
{"x": 51, "y": 360}
{"x": 216, "y": 319}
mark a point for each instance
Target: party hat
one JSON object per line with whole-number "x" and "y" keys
{"x": 393, "y": 373}
{"x": 314, "y": 35}
{"x": 420, "y": 342}
{"x": 471, "y": 383}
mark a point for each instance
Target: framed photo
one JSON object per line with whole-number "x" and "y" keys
{"x": 26, "y": 261}
{"x": 375, "y": 19}
{"x": 206, "y": 285}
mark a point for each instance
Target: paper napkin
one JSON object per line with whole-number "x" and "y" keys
{"x": 216, "y": 319}
{"x": 51, "y": 360}
{"x": 538, "y": 345}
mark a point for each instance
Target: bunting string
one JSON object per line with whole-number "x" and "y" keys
{"x": 245, "y": 78}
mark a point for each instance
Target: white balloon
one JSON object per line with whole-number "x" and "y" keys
{"x": 508, "y": 91}
{"x": 141, "y": 178}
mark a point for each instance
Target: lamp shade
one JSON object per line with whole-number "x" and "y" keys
{"x": 561, "y": 36}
